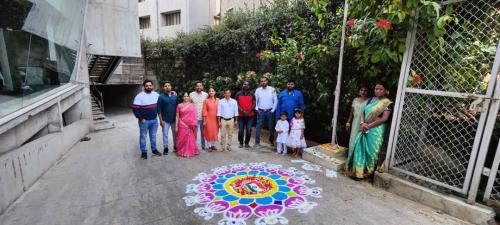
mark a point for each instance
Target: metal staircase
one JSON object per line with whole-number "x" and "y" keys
{"x": 100, "y": 69}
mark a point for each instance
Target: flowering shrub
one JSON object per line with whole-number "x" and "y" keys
{"x": 299, "y": 40}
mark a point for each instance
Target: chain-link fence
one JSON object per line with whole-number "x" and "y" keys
{"x": 445, "y": 99}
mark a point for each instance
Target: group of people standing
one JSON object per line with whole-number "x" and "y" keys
{"x": 210, "y": 115}
{"x": 206, "y": 113}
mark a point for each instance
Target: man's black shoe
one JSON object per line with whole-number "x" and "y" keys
{"x": 144, "y": 155}
{"x": 156, "y": 152}
{"x": 165, "y": 151}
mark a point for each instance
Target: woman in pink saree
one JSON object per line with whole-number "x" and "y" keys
{"x": 186, "y": 124}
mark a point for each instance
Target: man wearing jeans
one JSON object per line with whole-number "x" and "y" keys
{"x": 145, "y": 110}
{"x": 266, "y": 101}
{"x": 167, "y": 106}
{"x": 198, "y": 96}
{"x": 246, "y": 106}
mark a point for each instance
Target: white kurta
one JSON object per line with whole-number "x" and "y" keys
{"x": 282, "y": 125}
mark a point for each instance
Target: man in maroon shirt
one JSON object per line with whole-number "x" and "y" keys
{"x": 246, "y": 112}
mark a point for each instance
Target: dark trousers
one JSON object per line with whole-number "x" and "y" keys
{"x": 245, "y": 127}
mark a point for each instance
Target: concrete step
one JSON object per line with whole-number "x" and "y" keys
{"x": 447, "y": 203}
{"x": 103, "y": 125}
{"x": 98, "y": 116}
{"x": 316, "y": 156}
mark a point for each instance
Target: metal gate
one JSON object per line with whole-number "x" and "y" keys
{"x": 444, "y": 96}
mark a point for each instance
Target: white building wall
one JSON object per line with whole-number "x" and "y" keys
{"x": 166, "y": 6}
{"x": 148, "y": 8}
{"x": 199, "y": 14}
{"x": 106, "y": 21}
{"x": 195, "y": 14}
{"x": 222, "y": 7}
{"x": 227, "y": 5}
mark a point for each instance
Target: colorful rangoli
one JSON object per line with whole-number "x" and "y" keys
{"x": 240, "y": 191}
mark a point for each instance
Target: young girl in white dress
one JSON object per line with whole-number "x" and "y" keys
{"x": 282, "y": 128}
{"x": 296, "y": 139}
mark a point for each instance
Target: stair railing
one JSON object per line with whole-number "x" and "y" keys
{"x": 98, "y": 97}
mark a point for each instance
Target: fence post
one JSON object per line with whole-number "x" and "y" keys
{"x": 339, "y": 77}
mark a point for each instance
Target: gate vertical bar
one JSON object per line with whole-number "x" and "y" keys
{"x": 488, "y": 130}
{"x": 493, "y": 175}
{"x": 405, "y": 67}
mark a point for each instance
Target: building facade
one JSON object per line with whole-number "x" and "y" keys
{"x": 165, "y": 18}
{"x": 45, "y": 105}
{"x": 159, "y": 19}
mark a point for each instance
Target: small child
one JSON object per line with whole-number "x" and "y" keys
{"x": 296, "y": 139}
{"x": 282, "y": 128}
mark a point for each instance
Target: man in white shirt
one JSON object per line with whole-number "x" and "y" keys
{"x": 266, "y": 101}
{"x": 227, "y": 112}
{"x": 198, "y": 96}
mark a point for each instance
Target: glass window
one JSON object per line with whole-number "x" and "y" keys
{"x": 39, "y": 43}
{"x": 144, "y": 22}
{"x": 171, "y": 18}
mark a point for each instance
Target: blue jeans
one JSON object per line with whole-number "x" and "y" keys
{"x": 202, "y": 137}
{"x": 150, "y": 126}
{"x": 245, "y": 125}
{"x": 261, "y": 118}
{"x": 165, "y": 129}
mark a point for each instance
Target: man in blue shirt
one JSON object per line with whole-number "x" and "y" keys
{"x": 289, "y": 100}
{"x": 167, "y": 105}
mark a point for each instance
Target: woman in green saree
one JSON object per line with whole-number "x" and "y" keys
{"x": 362, "y": 160}
{"x": 353, "y": 122}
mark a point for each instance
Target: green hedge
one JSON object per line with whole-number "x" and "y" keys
{"x": 298, "y": 40}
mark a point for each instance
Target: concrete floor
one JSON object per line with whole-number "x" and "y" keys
{"x": 104, "y": 181}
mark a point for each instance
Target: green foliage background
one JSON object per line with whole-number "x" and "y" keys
{"x": 298, "y": 40}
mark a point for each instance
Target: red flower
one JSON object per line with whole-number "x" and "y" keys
{"x": 384, "y": 24}
{"x": 417, "y": 79}
{"x": 351, "y": 23}
{"x": 299, "y": 54}
{"x": 258, "y": 54}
